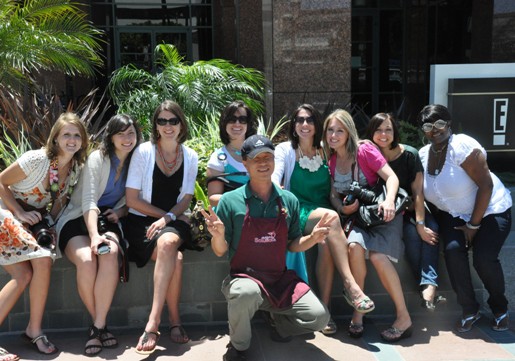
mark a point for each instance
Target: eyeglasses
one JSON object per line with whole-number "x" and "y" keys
{"x": 164, "y": 121}
{"x": 301, "y": 120}
{"x": 242, "y": 119}
{"x": 439, "y": 124}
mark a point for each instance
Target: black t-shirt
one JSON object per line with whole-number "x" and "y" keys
{"x": 407, "y": 166}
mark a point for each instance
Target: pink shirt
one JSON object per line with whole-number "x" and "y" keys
{"x": 370, "y": 160}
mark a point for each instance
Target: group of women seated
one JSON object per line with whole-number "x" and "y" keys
{"x": 136, "y": 197}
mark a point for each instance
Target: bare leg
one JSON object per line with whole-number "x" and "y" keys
{"x": 105, "y": 287}
{"x": 325, "y": 272}
{"x": 173, "y": 296}
{"x": 391, "y": 282}
{"x": 338, "y": 247}
{"x": 38, "y": 292}
{"x": 78, "y": 251}
{"x": 21, "y": 274}
{"x": 359, "y": 270}
{"x": 165, "y": 256}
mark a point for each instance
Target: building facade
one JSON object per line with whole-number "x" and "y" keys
{"x": 368, "y": 55}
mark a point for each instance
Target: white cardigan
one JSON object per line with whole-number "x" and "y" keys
{"x": 90, "y": 187}
{"x": 142, "y": 167}
{"x": 284, "y": 164}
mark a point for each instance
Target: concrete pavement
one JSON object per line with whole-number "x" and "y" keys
{"x": 433, "y": 340}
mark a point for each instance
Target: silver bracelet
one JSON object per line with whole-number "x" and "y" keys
{"x": 471, "y": 226}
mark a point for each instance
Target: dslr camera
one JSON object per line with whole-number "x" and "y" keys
{"x": 102, "y": 223}
{"x": 42, "y": 233}
{"x": 364, "y": 195}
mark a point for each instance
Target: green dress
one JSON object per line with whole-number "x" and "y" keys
{"x": 312, "y": 189}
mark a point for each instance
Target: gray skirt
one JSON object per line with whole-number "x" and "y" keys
{"x": 385, "y": 239}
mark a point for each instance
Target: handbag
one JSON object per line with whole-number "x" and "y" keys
{"x": 368, "y": 214}
{"x": 200, "y": 236}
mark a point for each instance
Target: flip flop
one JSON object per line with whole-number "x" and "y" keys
{"x": 42, "y": 337}
{"x": 393, "y": 334}
{"x": 7, "y": 356}
{"x": 144, "y": 340}
{"x": 181, "y": 338}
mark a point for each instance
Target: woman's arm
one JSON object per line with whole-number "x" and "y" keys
{"x": 387, "y": 208}
{"x": 11, "y": 175}
{"x": 215, "y": 189}
{"x": 476, "y": 167}
{"x": 427, "y": 234}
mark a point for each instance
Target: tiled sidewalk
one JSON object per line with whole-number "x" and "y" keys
{"x": 433, "y": 340}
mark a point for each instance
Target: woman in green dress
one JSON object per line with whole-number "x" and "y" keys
{"x": 301, "y": 167}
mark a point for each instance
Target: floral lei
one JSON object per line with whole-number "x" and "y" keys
{"x": 55, "y": 190}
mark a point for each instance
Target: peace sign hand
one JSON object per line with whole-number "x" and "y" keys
{"x": 214, "y": 225}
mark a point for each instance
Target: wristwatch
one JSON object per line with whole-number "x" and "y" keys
{"x": 423, "y": 223}
{"x": 171, "y": 215}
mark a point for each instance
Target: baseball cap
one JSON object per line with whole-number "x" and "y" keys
{"x": 256, "y": 144}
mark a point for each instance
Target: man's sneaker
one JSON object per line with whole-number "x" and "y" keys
{"x": 234, "y": 355}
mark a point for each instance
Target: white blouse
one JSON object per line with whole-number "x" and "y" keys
{"x": 452, "y": 190}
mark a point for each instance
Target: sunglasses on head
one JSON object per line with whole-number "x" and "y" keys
{"x": 164, "y": 121}
{"x": 301, "y": 120}
{"x": 439, "y": 124}
{"x": 242, "y": 119}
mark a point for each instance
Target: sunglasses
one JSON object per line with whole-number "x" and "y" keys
{"x": 439, "y": 124}
{"x": 171, "y": 121}
{"x": 242, "y": 119}
{"x": 301, "y": 120}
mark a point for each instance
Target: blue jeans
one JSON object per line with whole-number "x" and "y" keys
{"x": 486, "y": 246}
{"x": 422, "y": 256}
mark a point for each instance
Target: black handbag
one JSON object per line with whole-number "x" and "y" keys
{"x": 368, "y": 214}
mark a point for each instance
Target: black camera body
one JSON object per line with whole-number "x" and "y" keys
{"x": 364, "y": 195}
{"x": 102, "y": 223}
{"x": 42, "y": 233}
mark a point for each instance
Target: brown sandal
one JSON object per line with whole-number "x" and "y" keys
{"x": 182, "y": 337}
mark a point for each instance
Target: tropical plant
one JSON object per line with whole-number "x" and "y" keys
{"x": 26, "y": 122}
{"x": 202, "y": 88}
{"x": 38, "y": 35}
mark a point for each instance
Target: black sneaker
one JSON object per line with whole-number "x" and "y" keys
{"x": 234, "y": 355}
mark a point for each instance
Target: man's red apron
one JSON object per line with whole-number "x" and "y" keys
{"x": 261, "y": 256}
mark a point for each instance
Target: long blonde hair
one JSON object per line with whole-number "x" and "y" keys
{"x": 347, "y": 122}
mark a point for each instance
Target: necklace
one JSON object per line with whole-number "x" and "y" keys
{"x": 170, "y": 165}
{"x": 439, "y": 158}
{"x": 439, "y": 150}
{"x": 311, "y": 164}
{"x": 235, "y": 150}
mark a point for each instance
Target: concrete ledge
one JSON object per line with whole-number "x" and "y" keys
{"x": 203, "y": 303}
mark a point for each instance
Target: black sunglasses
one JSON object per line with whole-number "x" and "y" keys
{"x": 243, "y": 119}
{"x": 171, "y": 121}
{"x": 301, "y": 120}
